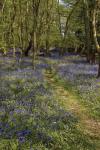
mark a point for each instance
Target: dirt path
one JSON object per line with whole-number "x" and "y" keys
{"x": 70, "y": 101}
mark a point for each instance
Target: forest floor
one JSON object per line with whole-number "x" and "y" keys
{"x": 54, "y": 107}
{"x": 70, "y": 101}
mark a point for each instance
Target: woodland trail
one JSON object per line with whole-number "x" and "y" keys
{"x": 70, "y": 101}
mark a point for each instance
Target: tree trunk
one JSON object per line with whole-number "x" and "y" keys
{"x": 87, "y": 30}
{"x": 93, "y": 18}
{"x": 26, "y": 53}
{"x": 99, "y": 67}
{"x": 34, "y": 48}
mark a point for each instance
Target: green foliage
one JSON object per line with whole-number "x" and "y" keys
{"x": 19, "y": 20}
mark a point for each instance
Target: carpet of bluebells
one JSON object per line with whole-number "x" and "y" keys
{"x": 83, "y": 78}
{"x": 30, "y": 117}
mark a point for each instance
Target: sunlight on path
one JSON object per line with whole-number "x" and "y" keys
{"x": 70, "y": 101}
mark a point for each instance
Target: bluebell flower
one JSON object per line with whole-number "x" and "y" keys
{"x": 21, "y": 139}
{"x": 1, "y": 131}
{"x": 23, "y": 133}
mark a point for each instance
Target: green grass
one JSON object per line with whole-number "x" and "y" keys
{"x": 74, "y": 101}
{"x": 51, "y": 125}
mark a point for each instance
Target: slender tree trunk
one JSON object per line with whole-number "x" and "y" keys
{"x": 67, "y": 27}
{"x": 99, "y": 67}
{"x": 34, "y": 48}
{"x": 35, "y": 5}
{"x": 87, "y": 30}
{"x": 94, "y": 32}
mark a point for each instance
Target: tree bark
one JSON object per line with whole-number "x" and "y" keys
{"x": 94, "y": 32}
{"x": 87, "y": 30}
{"x": 26, "y": 53}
